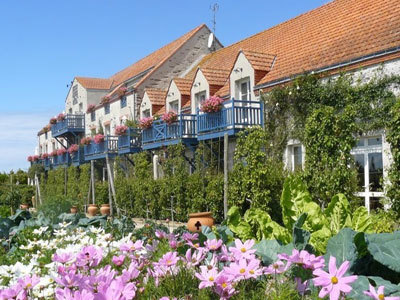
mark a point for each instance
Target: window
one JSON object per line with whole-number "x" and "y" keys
{"x": 295, "y": 157}
{"x": 174, "y": 106}
{"x": 369, "y": 163}
{"x": 107, "y": 129}
{"x": 123, "y": 101}
{"x": 45, "y": 135}
{"x": 70, "y": 111}
{"x": 199, "y": 98}
{"x": 106, "y": 109}
{"x": 146, "y": 113}
{"x": 81, "y": 107}
{"x": 93, "y": 116}
{"x": 243, "y": 90}
{"x": 75, "y": 94}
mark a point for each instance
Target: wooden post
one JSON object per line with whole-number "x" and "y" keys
{"x": 92, "y": 181}
{"x": 226, "y": 143}
{"x": 111, "y": 179}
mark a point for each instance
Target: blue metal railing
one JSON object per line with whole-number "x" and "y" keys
{"x": 108, "y": 146}
{"x": 235, "y": 114}
{"x": 78, "y": 157}
{"x": 47, "y": 163}
{"x": 71, "y": 123}
{"x": 184, "y": 127}
{"x": 63, "y": 159}
{"x": 132, "y": 139}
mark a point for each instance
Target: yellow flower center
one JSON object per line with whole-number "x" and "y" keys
{"x": 275, "y": 266}
{"x": 381, "y": 297}
{"x": 251, "y": 272}
{"x": 243, "y": 250}
{"x": 30, "y": 285}
{"x": 224, "y": 285}
{"x": 196, "y": 245}
{"x": 211, "y": 278}
{"x": 334, "y": 280}
{"x": 242, "y": 271}
{"x": 169, "y": 262}
{"x": 133, "y": 248}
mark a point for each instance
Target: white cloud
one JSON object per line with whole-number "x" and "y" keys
{"x": 18, "y": 138}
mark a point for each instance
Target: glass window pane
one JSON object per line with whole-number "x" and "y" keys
{"x": 244, "y": 90}
{"x": 297, "y": 158}
{"x": 375, "y": 171}
{"x": 359, "y": 161}
{"x": 375, "y": 141}
{"x": 375, "y": 203}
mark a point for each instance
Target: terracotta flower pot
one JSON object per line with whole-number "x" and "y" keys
{"x": 92, "y": 210}
{"x": 24, "y": 206}
{"x": 105, "y": 209}
{"x": 197, "y": 220}
{"x": 74, "y": 210}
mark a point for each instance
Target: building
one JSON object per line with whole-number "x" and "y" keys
{"x": 356, "y": 36}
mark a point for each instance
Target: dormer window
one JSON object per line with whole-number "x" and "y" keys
{"x": 75, "y": 94}
{"x": 199, "y": 98}
{"x": 243, "y": 89}
{"x": 123, "y": 101}
{"x": 174, "y": 106}
{"x": 107, "y": 109}
{"x": 93, "y": 116}
{"x": 146, "y": 113}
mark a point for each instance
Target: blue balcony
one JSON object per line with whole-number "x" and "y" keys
{"x": 109, "y": 147}
{"x": 162, "y": 134}
{"x": 130, "y": 142}
{"x": 47, "y": 163}
{"x": 78, "y": 158}
{"x": 61, "y": 160}
{"x": 234, "y": 116}
{"x": 73, "y": 124}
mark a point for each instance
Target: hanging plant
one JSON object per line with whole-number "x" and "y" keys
{"x": 121, "y": 130}
{"x": 45, "y": 156}
{"x": 91, "y": 108}
{"x": 98, "y": 138}
{"x": 106, "y": 99}
{"x": 30, "y": 158}
{"x": 53, "y": 121}
{"x": 170, "y": 117}
{"x": 146, "y": 123}
{"x": 212, "y": 104}
{"x": 86, "y": 140}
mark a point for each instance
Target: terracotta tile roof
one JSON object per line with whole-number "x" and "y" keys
{"x": 156, "y": 96}
{"x": 224, "y": 91}
{"x": 95, "y": 83}
{"x": 154, "y": 59}
{"x": 184, "y": 85}
{"x": 158, "y": 109}
{"x": 260, "y": 61}
{"x": 336, "y": 32}
{"x": 215, "y": 76}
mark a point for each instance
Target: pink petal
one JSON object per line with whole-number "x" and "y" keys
{"x": 345, "y": 288}
{"x": 343, "y": 268}
{"x": 381, "y": 290}
{"x": 348, "y": 279}
{"x": 322, "y": 281}
{"x": 335, "y": 293}
{"x": 332, "y": 266}
{"x": 323, "y": 292}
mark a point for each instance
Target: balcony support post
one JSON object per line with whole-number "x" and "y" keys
{"x": 226, "y": 145}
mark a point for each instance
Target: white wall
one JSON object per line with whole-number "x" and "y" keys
{"x": 145, "y": 105}
{"x": 199, "y": 85}
{"x": 173, "y": 94}
{"x": 241, "y": 69}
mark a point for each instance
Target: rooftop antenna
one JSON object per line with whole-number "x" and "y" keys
{"x": 214, "y": 8}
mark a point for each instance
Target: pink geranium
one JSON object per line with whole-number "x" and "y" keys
{"x": 98, "y": 138}
{"x": 86, "y": 140}
{"x": 90, "y": 108}
{"x": 53, "y": 121}
{"x": 73, "y": 149}
{"x": 121, "y": 130}
{"x": 379, "y": 294}
{"x": 61, "y": 151}
{"x": 30, "y": 158}
{"x": 45, "y": 155}
{"x": 146, "y": 123}
{"x": 212, "y": 104}
{"x": 169, "y": 117}
{"x": 61, "y": 117}
{"x": 334, "y": 283}
{"x": 53, "y": 153}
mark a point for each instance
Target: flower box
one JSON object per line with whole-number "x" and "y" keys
{"x": 170, "y": 117}
{"x": 98, "y": 138}
{"x": 212, "y": 104}
{"x": 146, "y": 123}
{"x": 121, "y": 130}
{"x": 91, "y": 108}
{"x": 86, "y": 141}
{"x": 73, "y": 149}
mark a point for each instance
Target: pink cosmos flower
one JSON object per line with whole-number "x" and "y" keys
{"x": 304, "y": 259}
{"x": 67, "y": 294}
{"x": 207, "y": 277}
{"x": 277, "y": 267}
{"x": 130, "y": 246}
{"x": 379, "y": 294}
{"x": 244, "y": 269}
{"x": 223, "y": 286}
{"x": 89, "y": 255}
{"x": 169, "y": 259}
{"x": 63, "y": 257}
{"x": 301, "y": 287}
{"x": 213, "y": 244}
{"x": 187, "y": 236}
{"x": 243, "y": 250}
{"x": 195, "y": 258}
{"x": 118, "y": 260}
{"x": 160, "y": 234}
{"x": 334, "y": 282}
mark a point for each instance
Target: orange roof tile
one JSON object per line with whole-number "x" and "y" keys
{"x": 154, "y": 59}
{"x": 184, "y": 85}
{"x": 260, "y": 61}
{"x": 95, "y": 83}
{"x": 156, "y": 96}
{"x": 336, "y": 32}
{"x": 224, "y": 91}
{"x": 215, "y": 76}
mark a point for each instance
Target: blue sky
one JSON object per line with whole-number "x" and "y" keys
{"x": 44, "y": 44}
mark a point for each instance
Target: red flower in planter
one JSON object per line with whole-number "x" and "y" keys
{"x": 73, "y": 148}
{"x": 53, "y": 153}
{"x": 169, "y": 117}
{"x": 146, "y": 123}
{"x": 45, "y": 155}
{"x": 98, "y": 138}
{"x": 122, "y": 90}
{"x": 212, "y": 104}
{"x": 105, "y": 99}
{"x": 53, "y": 121}
{"x": 30, "y": 158}
{"x": 121, "y": 130}
{"x": 86, "y": 141}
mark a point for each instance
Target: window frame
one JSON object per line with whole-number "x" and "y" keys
{"x": 93, "y": 116}
{"x": 123, "y": 102}
{"x": 198, "y": 100}
{"x": 239, "y": 84}
{"x": 107, "y": 109}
